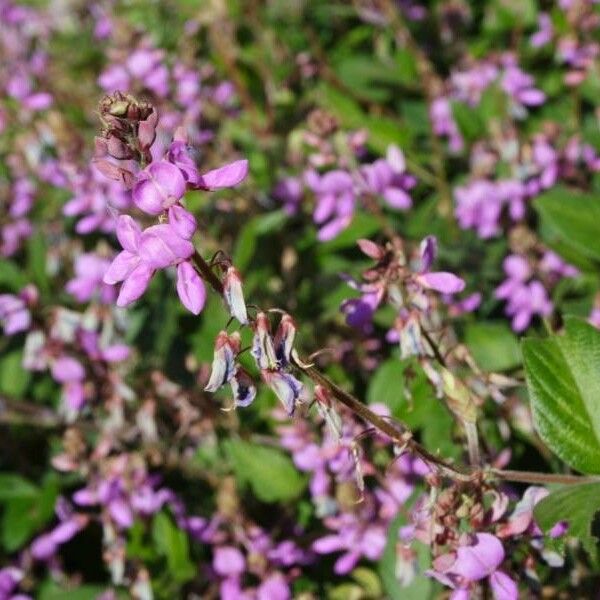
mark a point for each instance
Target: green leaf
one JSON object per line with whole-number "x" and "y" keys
{"x": 576, "y": 504}
{"x": 249, "y": 236}
{"x": 564, "y": 387}
{"x": 172, "y": 543}
{"x": 271, "y": 473}
{"x": 387, "y": 385}
{"x": 24, "y": 516}
{"x": 11, "y": 275}
{"x": 13, "y": 377}
{"x": 51, "y": 591}
{"x": 574, "y": 217}
{"x": 493, "y": 345}
{"x": 37, "y": 253}
{"x": 15, "y": 486}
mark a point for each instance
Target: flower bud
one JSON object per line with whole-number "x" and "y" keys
{"x": 263, "y": 350}
{"x": 223, "y": 367}
{"x": 234, "y": 295}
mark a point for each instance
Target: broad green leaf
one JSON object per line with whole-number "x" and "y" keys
{"x": 172, "y": 543}
{"x": 564, "y": 388}
{"x": 575, "y": 217}
{"x": 576, "y": 504}
{"x": 271, "y": 474}
{"x": 493, "y": 345}
{"x": 15, "y": 486}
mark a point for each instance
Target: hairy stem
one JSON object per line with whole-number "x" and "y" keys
{"x": 400, "y": 433}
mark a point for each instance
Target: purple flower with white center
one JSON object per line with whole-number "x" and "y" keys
{"x": 88, "y": 281}
{"x": 335, "y": 201}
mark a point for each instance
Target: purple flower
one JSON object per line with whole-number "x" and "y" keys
{"x": 545, "y": 32}
{"x": 335, "y": 201}
{"x": 289, "y": 192}
{"x": 182, "y": 221}
{"x": 67, "y": 369}
{"x": 157, "y": 247}
{"x": 229, "y": 561}
{"x": 387, "y": 179}
{"x": 88, "y": 280}
{"x": 440, "y": 281}
{"x": 158, "y": 187}
{"x": 471, "y": 563}
{"x": 520, "y": 87}
{"x": 14, "y": 314}
{"x": 226, "y": 176}
{"x": 524, "y": 299}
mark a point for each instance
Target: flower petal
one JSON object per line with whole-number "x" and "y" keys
{"x": 441, "y": 281}
{"x": 190, "y": 288}
{"x": 128, "y": 233}
{"x": 122, "y": 265}
{"x": 226, "y": 176}
{"x": 135, "y": 284}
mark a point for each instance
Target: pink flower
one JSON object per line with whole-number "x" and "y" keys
{"x": 158, "y": 187}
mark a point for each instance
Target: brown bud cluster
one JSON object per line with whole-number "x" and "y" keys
{"x": 128, "y": 132}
